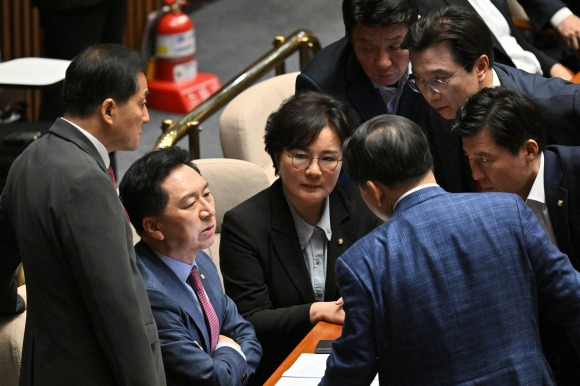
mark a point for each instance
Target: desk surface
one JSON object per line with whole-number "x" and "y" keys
{"x": 32, "y": 72}
{"x": 322, "y": 330}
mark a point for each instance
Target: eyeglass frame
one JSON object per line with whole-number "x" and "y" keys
{"x": 412, "y": 82}
{"x": 312, "y": 159}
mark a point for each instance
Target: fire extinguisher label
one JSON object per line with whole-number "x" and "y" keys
{"x": 185, "y": 71}
{"x": 175, "y": 46}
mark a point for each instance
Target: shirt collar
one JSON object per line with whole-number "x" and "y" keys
{"x": 408, "y": 192}
{"x": 305, "y": 230}
{"x": 181, "y": 269}
{"x": 537, "y": 193}
{"x": 98, "y": 145}
{"x": 495, "y": 79}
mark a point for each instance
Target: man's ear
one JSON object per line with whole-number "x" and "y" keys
{"x": 152, "y": 229}
{"x": 108, "y": 109}
{"x": 532, "y": 149}
{"x": 481, "y": 66}
{"x": 375, "y": 192}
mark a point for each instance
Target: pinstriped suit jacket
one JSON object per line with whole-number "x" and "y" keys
{"x": 447, "y": 292}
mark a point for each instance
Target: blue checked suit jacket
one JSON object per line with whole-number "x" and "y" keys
{"x": 447, "y": 292}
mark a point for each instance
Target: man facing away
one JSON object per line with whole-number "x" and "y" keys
{"x": 504, "y": 139}
{"x": 204, "y": 340}
{"x": 88, "y": 321}
{"x": 447, "y": 290}
{"x": 369, "y": 68}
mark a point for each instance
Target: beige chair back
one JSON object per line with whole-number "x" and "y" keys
{"x": 231, "y": 182}
{"x": 243, "y": 121}
{"x": 11, "y": 338}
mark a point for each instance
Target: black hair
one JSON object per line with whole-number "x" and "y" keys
{"x": 378, "y": 13}
{"x": 390, "y": 149}
{"x": 101, "y": 71}
{"x": 511, "y": 118}
{"x": 463, "y": 29}
{"x": 301, "y": 118}
{"x": 140, "y": 189}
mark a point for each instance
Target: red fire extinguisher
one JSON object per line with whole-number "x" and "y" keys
{"x": 175, "y": 45}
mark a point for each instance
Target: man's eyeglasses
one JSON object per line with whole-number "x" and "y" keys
{"x": 437, "y": 85}
{"x": 301, "y": 161}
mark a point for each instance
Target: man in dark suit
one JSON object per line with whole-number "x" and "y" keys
{"x": 519, "y": 52}
{"x": 88, "y": 321}
{"x": 562, "y": 15}
{"x": 504, "y": 140}
{"x": 204, "y": 340}
{"x": 447, "y": 290}
{"x": 369, "y": 69}
{"x": 452, "y": 56}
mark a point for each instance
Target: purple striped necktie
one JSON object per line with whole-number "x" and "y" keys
{"x": 210, "y": 316}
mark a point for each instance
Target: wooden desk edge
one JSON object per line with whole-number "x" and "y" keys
{"x": 322, "y": 330}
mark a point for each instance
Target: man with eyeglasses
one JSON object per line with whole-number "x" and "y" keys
{"x": 369, "y": 68}
{"x": 451, "y": 52}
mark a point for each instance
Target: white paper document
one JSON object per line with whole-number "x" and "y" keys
{"x": 308, "y": 370}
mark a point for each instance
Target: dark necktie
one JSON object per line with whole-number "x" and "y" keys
{"x": 112, "y": 175}
{"x": 210, "y": 316}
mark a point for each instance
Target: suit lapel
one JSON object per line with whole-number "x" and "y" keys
{"x": 342, "y": 226}
{"x": 286, "y": 246}
{"x": 557, "y": 203}
{"x": 361, "y": 92}
{"x": 176, "y": 288}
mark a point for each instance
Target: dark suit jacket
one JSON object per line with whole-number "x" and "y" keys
{"x": 336, "y": 70}
{"x": 541, "y": 11}
{"x": 562, "y": 189}
{"x": 429, "y": 301}
{"x": 558, "y": 100}
{"x": 501, "y": 55}
{"x": 181, "y": 324}
{"x": 89, "y": 321}
{"x": 264, "y": 270}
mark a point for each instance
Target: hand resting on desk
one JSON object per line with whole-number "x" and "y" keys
{"x": 328, "y": 311}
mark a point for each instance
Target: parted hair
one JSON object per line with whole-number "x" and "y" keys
{"x": 101, "y": 71}
{"x": 390, "y": 149}
{"x": 301, "y": 118}
{"x": 510, "y": 117}
{"x": 463, "y": 29}
{"x": 140, "y": 189}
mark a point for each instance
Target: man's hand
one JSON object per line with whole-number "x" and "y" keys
{"x": 569, "y": 29}
{"x": 223, "y": 338}
{"x": 560, "y": 71}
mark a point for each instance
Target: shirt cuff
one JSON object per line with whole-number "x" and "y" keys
{"x": 228, "y": 344}
{"x": 560, "y": 16}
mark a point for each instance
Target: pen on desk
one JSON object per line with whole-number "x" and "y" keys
{"x": 198, "y": 345}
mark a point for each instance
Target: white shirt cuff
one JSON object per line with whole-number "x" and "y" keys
{"x": 560, "y": 16}
{"x": 228, "y": 344}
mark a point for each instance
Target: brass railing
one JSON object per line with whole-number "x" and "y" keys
{"x": 303, "y": 41}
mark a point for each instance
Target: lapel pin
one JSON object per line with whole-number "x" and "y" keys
{"x": 202, "y": 276}
{"x": 560, "y": 203}
{"x": 340, "y": 241}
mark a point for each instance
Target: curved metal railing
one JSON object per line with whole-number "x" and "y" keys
{"x": 303, "y": 41}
